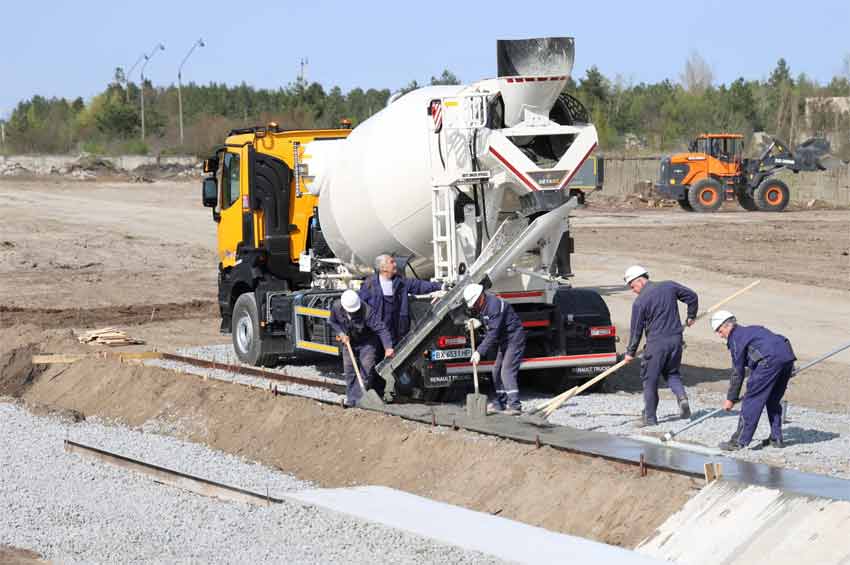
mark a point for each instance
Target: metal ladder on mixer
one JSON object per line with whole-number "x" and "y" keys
{"x": 466, "y": 112}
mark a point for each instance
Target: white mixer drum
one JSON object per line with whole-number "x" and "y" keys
{"x": 376, "y": 197}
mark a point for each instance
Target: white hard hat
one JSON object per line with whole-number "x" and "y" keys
{"x": 471, "y": 294}
{"x": 350, "y": 301}
{"x": 634, "y": 272}
{"x": 719, "y": 317}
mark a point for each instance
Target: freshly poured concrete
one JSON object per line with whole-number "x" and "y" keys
{"x": 732, "y": 523}
{"x": 666, "y": 457}
{"x": 500, "y": 537}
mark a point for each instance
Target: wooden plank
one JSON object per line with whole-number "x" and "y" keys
{"x": 60, "y": 358}
{"x": 170, "y": 477}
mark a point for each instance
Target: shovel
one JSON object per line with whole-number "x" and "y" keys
{"x": 370, "y": 398}
{"x": 476, "y": 403}
{"x": 670, "y": 435}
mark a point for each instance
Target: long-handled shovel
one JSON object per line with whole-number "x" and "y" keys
{"x": 370, "y": 398}
{"x": 670, "y": 435}
{"x": 559, "y": 400}
{"x": 476, "y": 404}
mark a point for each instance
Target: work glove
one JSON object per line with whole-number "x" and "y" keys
{"x": 389, "y": 352}
{"x": 342, "y": 338}
{"x": 475, "y": 359}
{"x": 437, "y": 294}
{"x": 473, "y": 323}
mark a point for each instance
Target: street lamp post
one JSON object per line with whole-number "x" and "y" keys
{"x": 159, "y": 47}
{"x": 127, "y": 77}
{"x": 198, "y": 43}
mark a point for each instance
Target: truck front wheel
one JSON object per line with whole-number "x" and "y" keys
{"x": 247, "y": 340}
{"x": 705, "y": 195}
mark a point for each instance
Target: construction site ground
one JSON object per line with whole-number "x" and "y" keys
{"x": 80, "y": 255}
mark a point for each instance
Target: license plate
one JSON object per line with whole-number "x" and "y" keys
{"x": 451, "y": 354}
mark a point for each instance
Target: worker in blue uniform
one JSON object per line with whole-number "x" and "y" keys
{"x": 387, "y": 293}
{"x": 505, "y": 334}
{"x": 354, "y": 322}
{"x": 770, "y": 360}
{"x": 656, "y": 312}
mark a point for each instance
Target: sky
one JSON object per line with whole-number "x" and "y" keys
{"x": 70, "y": 49}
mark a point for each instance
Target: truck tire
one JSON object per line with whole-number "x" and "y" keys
{"x": 245, "y": 331}
{"x": 746, "y": 201}
{"x": 772, "y": 195}
{"x": 705, "y": 195}
{"x": 685, "y": 205}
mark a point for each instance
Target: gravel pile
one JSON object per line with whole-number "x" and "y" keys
{"x": 75, "y": 510}
{"x": 816, "y": 442}
{"x": 225, "y": 355}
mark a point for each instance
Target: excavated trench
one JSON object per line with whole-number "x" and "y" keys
{"x": 565, "y": 492}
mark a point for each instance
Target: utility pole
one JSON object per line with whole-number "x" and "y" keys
{"x": 159, "y": 47}
{"x": 3, "y": 133}
{"x": 301, "y": 74}
{"x": 127, "y": 78}
{"x": 198, "y": 43}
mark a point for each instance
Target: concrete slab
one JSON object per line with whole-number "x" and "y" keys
{"x": 500, "y": 537}
{"x": 666, "y": 457}
{"x": 732, "y": 523}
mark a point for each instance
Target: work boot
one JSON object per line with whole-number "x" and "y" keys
{"x": 495, "y": 408}
{"x": 645, "y": 422}
{"x": 684, "y": 409}
{"x": 777, "y": 443}
{"x": 729, "y": 445}
{"x": 511, "y": 411}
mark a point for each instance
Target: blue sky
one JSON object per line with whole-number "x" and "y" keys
{"x": 70, "y": 49}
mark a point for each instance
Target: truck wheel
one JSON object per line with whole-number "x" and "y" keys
{"x": 772, "y": 195}
{"x": 746, "y": 201}
{"x": 705, "y": 195}
{"x": 685, "y": 205}
{"x": 245, "y": 331}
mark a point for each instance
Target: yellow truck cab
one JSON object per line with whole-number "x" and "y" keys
{"x": 266, "y": 217}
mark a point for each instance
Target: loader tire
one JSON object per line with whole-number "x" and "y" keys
{"x": 747, "y": 203}
{"x": 245, "y": 331}
{"x": 705, "y": 195}
{"x": 772, "y": 195}
{"x": 685, "y": 205}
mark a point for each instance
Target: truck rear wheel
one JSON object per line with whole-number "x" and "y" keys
{"x": 245, "y": 331}
{"x": 772, "y": 195}
{"x": 705, "y": 195}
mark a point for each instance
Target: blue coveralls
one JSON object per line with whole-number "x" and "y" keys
{"x": 505, "y": 332}
{"x": 770, "y": 359}
{"x": 367, "y": 333}
{"x": 656, "y": 310}
{"x": 394, "y": 311}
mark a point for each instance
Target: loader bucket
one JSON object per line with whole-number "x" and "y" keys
{"x": 814, "y": 155}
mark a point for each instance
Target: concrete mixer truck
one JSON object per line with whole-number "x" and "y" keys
{"x": 466, "y": 183}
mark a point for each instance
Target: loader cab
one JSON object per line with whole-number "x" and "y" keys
{"x": 724, "y": 147}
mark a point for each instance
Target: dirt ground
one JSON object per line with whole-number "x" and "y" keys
{"x": 15, "y": 556}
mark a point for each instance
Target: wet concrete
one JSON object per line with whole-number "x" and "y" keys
{"x": 668, "y": 458}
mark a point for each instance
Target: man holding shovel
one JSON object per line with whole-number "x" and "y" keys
{"x": 357, "y": 326}
{"x": 770, "y": 359}
{"x": 656, "y": 310}
{"x": 505, "y": 333}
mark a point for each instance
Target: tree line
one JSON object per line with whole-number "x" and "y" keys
{"x": 648, "y": 117}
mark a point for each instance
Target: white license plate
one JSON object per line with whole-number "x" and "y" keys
{"x": 450, "y": 354}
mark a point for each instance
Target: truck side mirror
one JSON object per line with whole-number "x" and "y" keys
{"x": 210, "y": 192}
